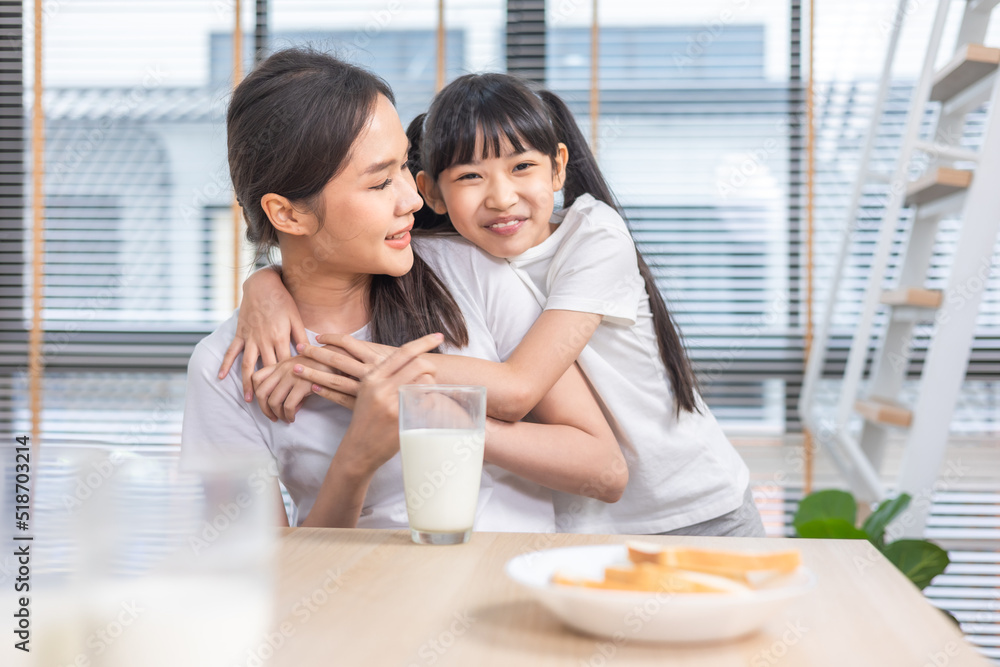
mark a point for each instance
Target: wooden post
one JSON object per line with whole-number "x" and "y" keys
{"x": 807, "y": 441}
{"x": 595, "y": 93}
{"x": 36, "y": 338}
{"x": 237, "y": 209}
{"x": 441, "y": 46}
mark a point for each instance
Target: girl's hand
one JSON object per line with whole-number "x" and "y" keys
{"x": 268, "y": 321}
{"x": 351, "y": 360}
{"x": 374, "y": 430}
{"x": 280, "y": 391}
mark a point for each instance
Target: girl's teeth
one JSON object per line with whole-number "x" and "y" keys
{"x": 504, "y": 224}
{"x": 397, "y": 236}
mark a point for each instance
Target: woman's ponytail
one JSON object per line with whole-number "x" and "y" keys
{"x": 583, "y": 176}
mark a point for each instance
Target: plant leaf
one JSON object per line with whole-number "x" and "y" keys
{"x": 836, "y": 529}
{"x": 828, "y": 504}
{"x": 919, "y": 560}
{"x": 887, "y": 510}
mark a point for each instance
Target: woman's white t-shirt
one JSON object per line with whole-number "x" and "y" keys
{"x": 682, "y": 470}
{"x": 218, "y": 422}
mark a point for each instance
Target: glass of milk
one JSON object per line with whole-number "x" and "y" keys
{"x": 143, "y": 561}
{"x": 442, "y": 430}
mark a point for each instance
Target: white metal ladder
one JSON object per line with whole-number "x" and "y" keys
{"x": 954, "y": 180}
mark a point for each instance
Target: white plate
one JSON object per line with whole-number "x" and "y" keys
{"x": 654, "y": 617}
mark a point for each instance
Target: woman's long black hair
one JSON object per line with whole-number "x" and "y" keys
{"x": 290, "y": 127}
{"x": 504, "y": 109}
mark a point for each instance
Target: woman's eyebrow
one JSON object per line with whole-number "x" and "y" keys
{"x": 379, "y": 166}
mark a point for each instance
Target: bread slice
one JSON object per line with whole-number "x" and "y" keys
{"x": 653, "y": 578}
{"x": 733, "y": 564}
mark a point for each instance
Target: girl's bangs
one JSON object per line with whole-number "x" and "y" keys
{"x": 491, "y": 131}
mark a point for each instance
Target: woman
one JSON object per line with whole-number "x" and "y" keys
{"x": 317, "y": 156}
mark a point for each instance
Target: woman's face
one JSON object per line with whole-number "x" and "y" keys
{"x": 368, "y": 207}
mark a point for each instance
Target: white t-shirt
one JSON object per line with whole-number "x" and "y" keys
{"x": 218, "y": 422}
{"x": 681, "y": 470}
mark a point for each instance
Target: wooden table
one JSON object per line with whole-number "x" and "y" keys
{"x": 369, "y": 598}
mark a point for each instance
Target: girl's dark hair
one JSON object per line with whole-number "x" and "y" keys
{"x": 426, "y": 221}
{"x": 504, "y": 109}
{"x": 290, "y": 127}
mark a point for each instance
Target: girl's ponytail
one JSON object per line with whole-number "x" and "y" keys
{"x": 425, "y": 221}
{"x": 415, "y": 133}
{"x": 584, "y": 176}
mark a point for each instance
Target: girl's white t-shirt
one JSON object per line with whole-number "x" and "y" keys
{"x": 682, "y": 470}
{"x": 218, "y": 422}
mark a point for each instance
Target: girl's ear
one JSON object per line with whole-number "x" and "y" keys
{"x": 559, "y": 167}
{"x": 431, "y": 193}
{"x": 285, "y": 217}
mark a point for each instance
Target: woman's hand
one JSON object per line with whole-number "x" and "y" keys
{"x": 280, "y": 391}
{"x": 352, "y": 360}
{"x": 367, "y": 352}
{"x": 374, "y": 430}
{"x": 372, "y": 437}
{"x": 268, "y": 321}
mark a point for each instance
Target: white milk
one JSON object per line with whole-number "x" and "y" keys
{"x": 159, "y": 621}
{"x": 441, "y": 472}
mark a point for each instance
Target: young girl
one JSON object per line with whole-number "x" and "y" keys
{"x": 492, "y": 156}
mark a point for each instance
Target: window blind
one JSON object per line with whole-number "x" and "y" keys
{"x": 700, "y": 134}
{"x": 695, "y": 140}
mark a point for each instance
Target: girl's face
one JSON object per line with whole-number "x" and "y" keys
{"x": 502, "y": 204}
{"x": 368, "y": 207}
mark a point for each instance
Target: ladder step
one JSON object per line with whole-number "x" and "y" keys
{"x": 982, "y": 5}
{"x": 947, "y": 152}
{"x": 912, "y": 296}
{"x": 936, "y": 185}
{"x": 972, "y": 63}
{"x": 884, "y": 411}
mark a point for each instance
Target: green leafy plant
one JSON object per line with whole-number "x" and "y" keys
{"x": 832, "y": 514}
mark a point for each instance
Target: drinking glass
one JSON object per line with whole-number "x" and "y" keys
{"x": 143, "y": 561}
{"x": 442, "y": 431}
